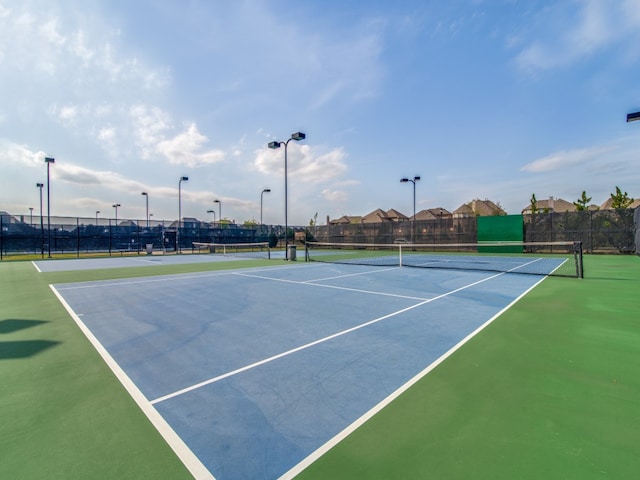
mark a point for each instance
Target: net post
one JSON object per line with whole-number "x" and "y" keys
{"x": 400, "y": 254}
{"x": 577, "y": 248}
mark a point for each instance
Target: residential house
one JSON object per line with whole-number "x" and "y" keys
{"x": 479, "y": 208}
{"x": 607, "y": 204}
{"x": 433, "y": 214}
{"x": 551, "y": 205}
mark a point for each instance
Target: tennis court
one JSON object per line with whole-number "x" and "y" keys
{"x": 260, "y": 250}
{"x": 253, "y": 373}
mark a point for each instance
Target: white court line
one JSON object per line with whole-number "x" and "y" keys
{"x": 307, "y": 282}
{"x": 386, "y": 269}
{"x": 35, "y": 265}
{"x": 184, "y": 453}
{"x": 311, "y": 344}
{"x": 170, "y": 277}
{"x": 296, "y": 470}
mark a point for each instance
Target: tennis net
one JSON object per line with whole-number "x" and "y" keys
{"x": 536, "y": 258}
{"x": 251, "y": 250}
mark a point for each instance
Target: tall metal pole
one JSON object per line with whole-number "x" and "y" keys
{"x": 49, "y": 161}
{"x": 219, "y": 202}
{"x": 297, "y": 137}
{"x": 413, "y": 220}
{"x": 182, "y": 179}
{"x": 146, "y": 196}
{"x": 266, "y": 190}
{"x": 40, "y": 185}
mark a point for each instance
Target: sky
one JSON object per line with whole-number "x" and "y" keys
{"x": 494, "y": 99}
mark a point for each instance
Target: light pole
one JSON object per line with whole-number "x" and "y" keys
{"x": 40, "y": 185}
{"x": 266, "y": 190}
{"x": 116, "y": 205}
{"x": 219, "y": 202}
{"x": 146, "y": 196}
{"x": 415, "y": 179}
{"x": 182, "y": 179}
{"x": 97, "y": 213}
{"x": 49, "y": 161}
{"x": 297, "y": 137}
{"x": 214, "y": 215}
{"x": 31, "y": 216}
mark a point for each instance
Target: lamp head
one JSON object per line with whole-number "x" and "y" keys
{"x": 632, "y": 117}
{"x": 144, "y": 193}
{"x": 216, "y": 201}
{"x": 184, "y": 179}
{"x": 39, "y": 185}
{"x": 49, "y": 160}
{"x": 267, "y": 190}
{"x": 298, "y": 136}
{"x": 416, "y": 178}
{"x": 404, "y": 180}
{"x": 274, "y": 145}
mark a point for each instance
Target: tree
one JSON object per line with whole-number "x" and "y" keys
{"x": 620, "y": 200}
{"x": 582, "y": 203}
{"x": 534, "y": 204}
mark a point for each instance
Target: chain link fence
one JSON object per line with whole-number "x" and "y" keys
{"x": 602, "y": 231}
{"x": 29, "y": 235}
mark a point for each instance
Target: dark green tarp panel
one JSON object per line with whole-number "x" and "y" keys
{"x": 503, "y": 228}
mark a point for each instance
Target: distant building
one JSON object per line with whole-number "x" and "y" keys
{"x": 433, "y": 214}
{"x": 380, "y": 216}
{"x": 607, "y": 204}
{"x": 345, "y": 220}
{"x": 479, "y": 208}
{"x": 551, "y": 205}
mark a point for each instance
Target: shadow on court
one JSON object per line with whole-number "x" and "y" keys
{"x": 24, "y": 348}
{"x": 11, "y": 325}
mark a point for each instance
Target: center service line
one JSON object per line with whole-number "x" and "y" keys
{"x": 311, "y": 344}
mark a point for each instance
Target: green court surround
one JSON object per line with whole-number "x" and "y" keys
{"x": 549, "y": 390}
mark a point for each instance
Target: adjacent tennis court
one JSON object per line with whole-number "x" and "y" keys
{"x": 253, "y": 373}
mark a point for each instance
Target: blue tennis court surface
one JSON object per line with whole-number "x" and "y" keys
{"x": 139, "y": 261}
{"x": 258, "y": 371}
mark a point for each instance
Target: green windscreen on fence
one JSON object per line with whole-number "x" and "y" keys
{"x": 503, "y": 228}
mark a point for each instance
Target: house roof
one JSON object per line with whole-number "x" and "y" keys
{"x": 607, "y": 204}
{"x": 377, "y": 216}
{"x": 432, "y": 214}
{"x": 346, "y": 219}
{"x": 394, "y": 214}
{"x": 552, "y": 205}
{"x": 484, "y": 208}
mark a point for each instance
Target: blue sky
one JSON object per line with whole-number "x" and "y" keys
{"x": 495, "y": 99}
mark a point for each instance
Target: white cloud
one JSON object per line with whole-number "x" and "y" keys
{"x": 564, "y": 159}
{"x": 334, "y": 195}
{"x": 149, "y": 127}
{"x": 185, "y": 149}
{"x": 20, "y": 154}
{"x": 302, "y": 163}
{"x": 565, "y": 36}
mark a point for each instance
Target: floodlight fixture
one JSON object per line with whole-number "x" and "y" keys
{"x": 49, "y": 161}
{"x": 182, "y": 179}
{"x": 414, "y": 180}
{"x": 297, "y": 136}
{"x": 265, "y": 190}
{"x": 633, "y": 117}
